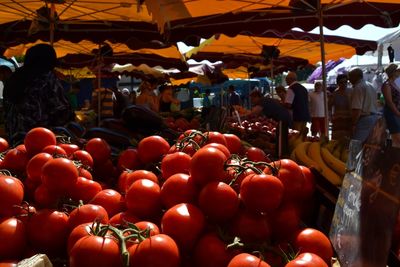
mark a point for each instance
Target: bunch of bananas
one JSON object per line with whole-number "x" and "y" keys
{"x": 328, "y": 158}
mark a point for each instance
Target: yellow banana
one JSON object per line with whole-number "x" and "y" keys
{"x": 334, "y": 163}
{"x": 302, "y": 157}
{"x": 337, "y": 151}
{"x": 314, "y": 152}
{"x": 331, "y": 145}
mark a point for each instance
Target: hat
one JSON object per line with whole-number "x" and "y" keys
{"x": 390, "y": 69}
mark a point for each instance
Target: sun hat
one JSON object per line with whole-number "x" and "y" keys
{"x": 391, "y": 69}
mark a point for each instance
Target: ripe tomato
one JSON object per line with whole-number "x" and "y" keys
{"x": 247, "y": 260}
{"x": 134, "y": 176}
{"x": 250, "y": 227}
{"x": 48, "y": 231}
{"x": 37, "y": 139}
{"x": 184, "y": 223}
{"x": 35, "y": 164}
{"x": 313, "y": 241}
{"x": 177, "y": 162}
{"x": 95, "y": 251}
{"x": 186, "y": 148}
{"x": 84, "y": 190}
{"x": 59, "y": 175}
{"x": 55, "y": 150}
{"x": 307, "y": 260}
{"x": 87, "y": 214}
{"x": 3, "y": 145}
{"x": 122, "y": 218}
{"x": 218, "y": 201}
{"x": 12, "y": 193}
{"x": 82, "y": 156}
{"x": 44, "y": 197}
{"x": 221, "y": 147}
{"x": 82, "y": 172}
{"x": 152, "y": 148}
{"x": 233, "y": 143}
{"x": 16, "y": 160}
{"x": 9, "y": 263}
{"x": 208, "y": 165}
{"x": 13, "y": 236}
{"x": 285, "y": 222}
{"x": 105, "y": 171}
{"x": 239, "y": 179}
{"x": 77, "y": 233}
{"x": 179, "y": 188}
{"x": 128, "y": 159}
{"x": 261, "y": 192}
{"x": 24, "y": 211}
{"x": 309, "y": 182}
{"x": 109, "y": 199}
{"x": 155, "y": 251}
{"x": 143, "y": 199}
{"x": 215, "y": 137}
{"x": 292, "y": 178}
{"x": 99, "y": 149}
{"x": 69, "y": 148}
{"x": 256, "y": 154}
{"x": 152, "y": 227}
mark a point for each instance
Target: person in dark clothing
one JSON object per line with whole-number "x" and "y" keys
{"x": 273, "y": 109}
{"x": 34, "y": 96}
{"x": 390, "y": 53}
{"x": 166, "y": 98}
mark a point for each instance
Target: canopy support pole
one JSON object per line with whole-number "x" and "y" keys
{"x": 324, "y": 85}
{"x": 52, "y": 23}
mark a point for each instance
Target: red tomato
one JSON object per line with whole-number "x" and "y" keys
{"x": 211, "y": 251}
{"x": 99, "y": 149}
{"x": 152, "y": 148}
{"x": 84, "y": 190}
{"x": 184, "y": 223}
{"x": 48, "y": 231}
{"x": 143, "y": 198}
{"x": 152, "y": 228}
{"x": 208, "y": 165}
{"x": 109, "y": 199}
{"x": 44, "y": 197}
{"x": 307, "y": 260}
{"x": 134, "y": 176}
{"x": 37, "y": 139}
{"x": 55, "y": 150}
{"x": 16, "y": 160}
{"x": 35, "y": 164}
{"x": 250, "y": 227}
{"x": 309, "y": 182}
{"x": 186, "y": 148}
{"x": 13, "y": 235}
{"x": 9, "y": 263}
{"x": 82, "y": 172}
{"x": 105, "y": 171}
{"x": 256, "y": 154}
{"x": 314, "y": 241}
{"x": 215, "y": 137}
{"x": 156, "y": 251}
{"x": 218, "y": 201}
{"x": 179, "y": 188}
{"x": 29, "y": 188}
{"x": 177, "y": 162}
{"x": 69, "y": 148}
{"x": 122, "y": 218}
{"x": 84, "y": 157}
{"x": 233, "y": 143}
{"x": 239, "y": 179}
{"x": 59, "y": 175}
{"x": 95, "y": 251}
{"x": 87, "y": 213}
{"x": 292, "y": 178}
{"x": 12, "y": 193}
{"x": 247, "y": 260}
{"x": 77, "y": 233}
{"x": 221, "y": 147}
{"x": 285, "y": 222}
{"x": 261, "y": 192}
{"x": 128, "y": 159}
{"x": 3, "y": 145}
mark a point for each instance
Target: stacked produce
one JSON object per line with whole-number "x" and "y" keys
{"x": 204, "y": 201}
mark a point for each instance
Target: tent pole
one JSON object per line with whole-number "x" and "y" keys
{"x": 99, "y": 87}
{"x": 324, "y": 85}
{"x": 52, "y": 22}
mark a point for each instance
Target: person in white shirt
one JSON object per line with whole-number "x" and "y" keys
{"x": 317, "y": 110}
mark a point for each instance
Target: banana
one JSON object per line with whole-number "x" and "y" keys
{"x": 293, "y": 155}
{"x": 301, "y": 154}
{"x": 344, "y": 155}
{"x": 337, "y": 151}
{"x": 295, "y": 141}
{"x": 334, "y": 163}
{"x": 314, "y": 152}
{"x": 331, "y": 145}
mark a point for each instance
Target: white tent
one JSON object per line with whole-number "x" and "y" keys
{"x": 392, "y": 39}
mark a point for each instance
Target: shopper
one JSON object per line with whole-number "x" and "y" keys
{"x": 317, "y": 110}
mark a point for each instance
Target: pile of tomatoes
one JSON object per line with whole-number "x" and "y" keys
{"x": 203, "y": 201}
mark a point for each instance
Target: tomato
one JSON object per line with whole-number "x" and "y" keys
{"x": 256, "y": 154}
{"x": 179, "y": 188}
{"x": 12, "y": 193}
{"x": 211, "y": 251}
{"x": 215, "y": 137}
{"x": 82, "y": 172}
{"x": 152, "y": 228}
{"x": 309, "y": 182}
{"x": 83, "y": 156}
{"x": 105, "y": 171}
{"x": 109, "y": 199}
{"x": 59, "y": 175}
{"x": 77, "y": 233}
{"x": 35, "y": 164}
{"x": 45, "y": 198}
{"x": 177, "y": 162}
{"x": 134, "y": 176}
{"x": 239, "y": 179}
{"x": 285, "y": 222}
{"x": 55, "y": 150}
{"x": 261, "y": 192}
{"x": 221, "y": 147}
{"x": 48, "y": 231}
{"x": 307, "y": 260}
{"x": 218, "y": 201}
{"x": 95, "y": 251}
{"x": 87, "y": 213}
{"x": 13, "y": 236}
{"x": 99, "y": 149}
{"x": 24, "y": 211}
{"x": 69, "y": 148}
{"x": 250, "y": 227}
{"x": 128, "y": 159}
{"x": 184, "y": 223}
{"x": 233, "y": 143}
{"x": 152, "y": 148}
{"x": 84, "y": 190}
{"x": 9, "y": 263}
{"x": 314, "y": 241}
{"x": 37, "y": 139}
{"x": 155, "y": 251}
{"x": 123, "y": 217}
{"x": 143, "y": 198}
{"x": 3, "y": 145}
{"x": 16, "y": 160}
{"x": 292, "y": 178}
{"x": 208, "y": 165}
{"x": 247, "y": 260}
{"x": 186, "y": 148}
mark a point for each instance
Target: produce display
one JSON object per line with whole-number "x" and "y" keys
{"x": 204, "y": 200}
